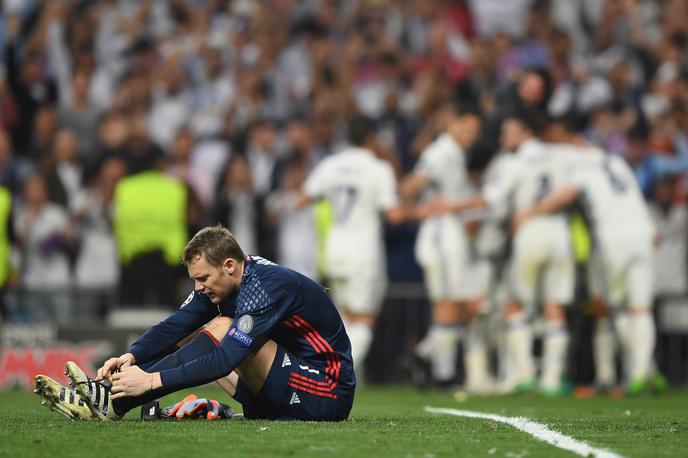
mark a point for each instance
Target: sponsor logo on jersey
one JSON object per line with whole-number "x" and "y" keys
{"x": 240, "y": 337}
{"x": 306, "y": 368}
{"x": 245, "y": 324}
{"x": 188, "y": 299}
{"x": 286, "y": 361}
{"x": 294, "y": 399}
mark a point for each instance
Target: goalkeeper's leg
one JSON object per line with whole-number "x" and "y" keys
{"x": 253, "y": 370}
{"x": 96, "y": 393}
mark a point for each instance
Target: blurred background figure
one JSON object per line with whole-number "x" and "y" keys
{"x": 63, "y": 171}
{"x": 151, "y": 229}
{"x": 296, "y": 238}
{"x": 182, "y": 166}
{"x": 6, "y": 269}
{"x": 45, "y": 239}
{"x": 80, "y": 117}
{"x": 237, "y": 204}
{"x": 671, "y": 220}
{"x": 96, "y": 268}
{"x": 361, "y": 191}
{"x": 442, "y": 245}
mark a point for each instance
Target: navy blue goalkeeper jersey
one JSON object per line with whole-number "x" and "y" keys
{"x": 273, "y": 302}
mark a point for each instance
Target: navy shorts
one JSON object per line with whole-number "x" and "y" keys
{"x": 295, "y": 390}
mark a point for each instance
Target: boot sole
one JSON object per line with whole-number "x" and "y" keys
{"x": 51, "y": 393}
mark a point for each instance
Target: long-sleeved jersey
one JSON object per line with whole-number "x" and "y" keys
{"x": 272, "y": 302}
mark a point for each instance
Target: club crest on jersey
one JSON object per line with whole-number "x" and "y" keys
{"x": 245, "y": 324}
{"x": 294, "y": 399}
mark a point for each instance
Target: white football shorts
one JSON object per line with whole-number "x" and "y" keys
{"x": 443, "y": 252}
{"x": 542, "y": 258}
{"x": 620, "y": 270}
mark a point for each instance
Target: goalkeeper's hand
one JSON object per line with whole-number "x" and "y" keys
{"x": 193, "y": 407}
{"x": 112, "y": 365}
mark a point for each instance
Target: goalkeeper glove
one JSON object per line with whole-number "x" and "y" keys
{"x": 194, "y": 407}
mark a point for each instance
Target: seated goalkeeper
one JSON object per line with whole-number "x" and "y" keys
{"x": 272, "y": 339}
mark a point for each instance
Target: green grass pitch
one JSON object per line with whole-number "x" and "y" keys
{"x": 385, "y": 421}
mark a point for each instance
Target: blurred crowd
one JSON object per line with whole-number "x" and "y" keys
{"x": 227, "y": 106}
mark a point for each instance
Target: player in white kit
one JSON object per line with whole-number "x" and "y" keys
{"x": 512, "y": 187}
{"x": 361, "y": 190}
{"x": 623, "y": 233}
{"x": 491, "y": 249}
{"x": 442, "y": 248}
{"x": 543, "y": 262}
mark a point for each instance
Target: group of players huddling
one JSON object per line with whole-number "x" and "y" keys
{"x": 497, "y": 246}
{"x": 544, "y": 172}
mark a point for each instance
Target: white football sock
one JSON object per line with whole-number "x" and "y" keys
{"x": 440, "y": 346}
{"x": 425, "y": 347}
{"x": 361, "y": 336}
{"x": 622, "y": 325}
{"x": 604, "y": 349}
{"x": 475, "y": 357}
{"x": 555, "y": 344}
{"x": 642, "y": 345}
{"x": 519, "y": 343}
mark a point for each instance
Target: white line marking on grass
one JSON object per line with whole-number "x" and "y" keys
{"x": 535, "y": 429}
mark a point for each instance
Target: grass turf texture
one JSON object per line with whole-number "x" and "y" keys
{"x": 386, "y": 421}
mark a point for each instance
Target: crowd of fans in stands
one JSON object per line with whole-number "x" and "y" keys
{"x": 240, "y": 99}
